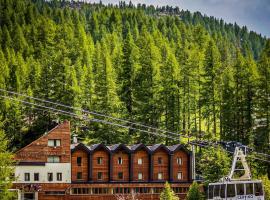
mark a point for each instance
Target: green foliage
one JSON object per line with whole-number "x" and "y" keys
{"x": 266, "y": 186}
{"x": 161, "y": 67}
{"x": 194, "y": 192}
{"x": 6, "y": 168}
{"x": 168, "y": 193}
{"x": 219, "y": 161}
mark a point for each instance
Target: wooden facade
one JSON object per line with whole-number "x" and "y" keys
{"x": 104, "y": 172}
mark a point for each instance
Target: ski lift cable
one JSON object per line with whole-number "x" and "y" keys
{"x": 89, "y": 120}
{"x": 215, "y": 146}
{"x": 95, "y": 113}
{"x": 111, "y": 123}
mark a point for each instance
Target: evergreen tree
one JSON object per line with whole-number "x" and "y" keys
{"x": 168, "y": 193}
{"x": 194, "y": 192}
{"x": 6, "y": 169}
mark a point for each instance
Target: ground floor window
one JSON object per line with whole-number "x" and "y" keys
{"x": 121, "y": 190}
{"x": 81, "y": 191}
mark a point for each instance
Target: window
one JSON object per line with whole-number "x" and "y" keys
{"x": 179, "y": 161}
{"x": 157, "y": 190}
{"x": 120, "y": 161}
{"x": 139, "y": 161}
{"x": 249, "y": 188}
{"x": 79, "y": 161}
{"x": 140, "y": 176}
{"x": 222, "y": 191}
{"x": 36, "y": 176}
{"x": 141, "y": 190}
{"x": 230, "y": 190}
{"x": 50, "y": 176}
{"x": 258, "y": 189}
{"x": 59, "y": 176}
{"x": 79, "y": 175}
{"x": 159, "y": 160}
{"x": 210, "y": 192}
{"x": 54, "y": 143}
{"x": 179, "y": 175}
{"x": 216, "y": 190}
{"x": 160, "y": 176}
{"x": 26, "y": 176}
{"x": 240, "y": 189}
{"x": 120, "y": 175}
{"x": 53, "y": 159}
{"x": 99, "y": 160}
{"x": 99, "y": 176}
{"x": 81, "y": 190}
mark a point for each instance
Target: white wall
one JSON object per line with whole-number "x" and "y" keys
{"x": 64, "y": 168}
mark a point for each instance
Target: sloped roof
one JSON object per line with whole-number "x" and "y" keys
{"x": 131, "y": 148}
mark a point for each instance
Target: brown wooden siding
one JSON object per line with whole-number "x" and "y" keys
{"x": 144, "y": 168}
{"x": 83, "y": 168}
{"x": 124, "y": 167}
{"x": 103, "y": 168}
{"x": 180, "y": 168}
{"x": 38, "y": 150}
{"x": 160, "y": 168}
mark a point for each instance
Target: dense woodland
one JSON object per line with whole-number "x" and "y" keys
{"x": 159, "y": 66}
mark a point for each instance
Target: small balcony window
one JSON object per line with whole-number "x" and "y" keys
{"x": 159, "y": 160}
{"x": 99, "y": 160}
{"x": 99, "y": 176}
{"x": 120, "y": 161}
{"x": 140, "y": 176}
{"x": 179, "y": 175}
{"x": 120, "y": 175}
{"x": 179, "y": 161}
{"x": 79, "y": 175}
{"x": 160, "y": 176}
{"x": 79, "y": 161}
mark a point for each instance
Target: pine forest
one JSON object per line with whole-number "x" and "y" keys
{"x": 159, "y": 66}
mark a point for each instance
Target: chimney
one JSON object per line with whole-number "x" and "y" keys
{"x": 75, "y": 139}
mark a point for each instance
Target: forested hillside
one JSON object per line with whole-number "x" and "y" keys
{"x": 161, "y": 67}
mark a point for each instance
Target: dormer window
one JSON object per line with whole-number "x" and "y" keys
{"x": 54, "y": 142}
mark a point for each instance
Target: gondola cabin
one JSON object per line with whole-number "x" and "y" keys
{"x": 235, "y": 190}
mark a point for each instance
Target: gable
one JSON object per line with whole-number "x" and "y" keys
{"x": 38, "y": 150}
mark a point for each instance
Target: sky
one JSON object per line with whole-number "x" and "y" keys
{"x": 255, "y": 14}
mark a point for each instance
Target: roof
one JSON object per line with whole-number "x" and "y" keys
{"x": 129, "y": 148}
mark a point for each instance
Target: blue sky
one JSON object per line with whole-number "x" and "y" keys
{"x": 255, "y": 14}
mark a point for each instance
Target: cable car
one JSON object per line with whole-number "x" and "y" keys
{"x": 235, "y": 190}
{"x": 230, "y": 188}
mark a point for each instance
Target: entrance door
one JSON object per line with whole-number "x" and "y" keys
{"x": 29, "y": 196}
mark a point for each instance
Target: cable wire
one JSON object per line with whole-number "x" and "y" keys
{"x": 95, "y": 113}
{"x": 87, "y": 119}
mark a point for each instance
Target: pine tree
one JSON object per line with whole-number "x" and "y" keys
{"x": 6, "y": 168}
{"x": 194, "y": 192}
{"x": 168, "y": 193}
